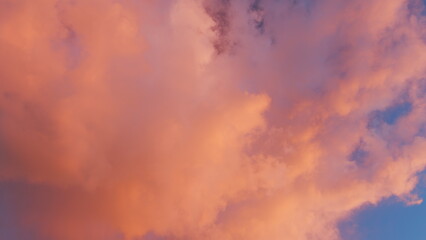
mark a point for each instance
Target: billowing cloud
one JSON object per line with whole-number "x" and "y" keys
{"x": 213, "y": 119}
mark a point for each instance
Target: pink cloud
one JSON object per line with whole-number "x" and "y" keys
{"x": 207, "y": 119}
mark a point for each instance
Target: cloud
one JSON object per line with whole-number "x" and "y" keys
{"x": 207, "y": 119}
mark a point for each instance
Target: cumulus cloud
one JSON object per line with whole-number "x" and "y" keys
{"x": 214, "y": 119}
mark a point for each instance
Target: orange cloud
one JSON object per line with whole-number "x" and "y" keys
{"x": 206, "y": 119}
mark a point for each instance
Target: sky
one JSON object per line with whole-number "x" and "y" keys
{"x": 212, "y": 119}
{"x": 390, "y": 219}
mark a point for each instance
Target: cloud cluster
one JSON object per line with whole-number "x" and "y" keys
{"x": 213, "y": 119}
